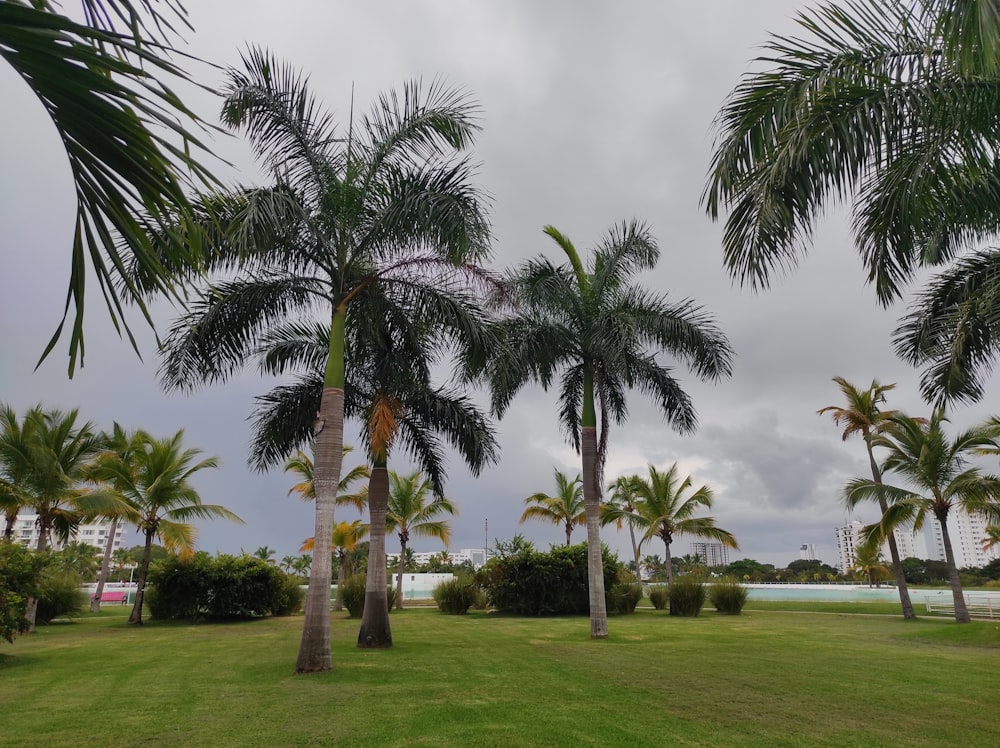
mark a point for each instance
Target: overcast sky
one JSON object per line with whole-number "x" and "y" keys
{"x": 593, "y": 113}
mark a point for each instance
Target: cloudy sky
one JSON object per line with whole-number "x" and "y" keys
{"x": 593, "y": 113}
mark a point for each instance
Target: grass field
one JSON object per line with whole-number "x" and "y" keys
{"x": 766, "y": 678}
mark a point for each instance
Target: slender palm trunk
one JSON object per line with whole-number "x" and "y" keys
{"x": 569, "y": 531}
{"x": 670, "y": 564}
{"x": 595, "y": 563}
{"x": 31, "y": 609}
{"x": 897, "y": 565}
{"x": 403, "y": 536}
{"x": 338, "y": 601}
{"x": 314, "y": 648}
{"x": 635, "y": 547}
{"x": 375, "y": 631}
{"x": 961, "y": 611}
{"x": 140, "y": 586}
{"x": 10, "y": 517}
{"x": 102, "y": 578}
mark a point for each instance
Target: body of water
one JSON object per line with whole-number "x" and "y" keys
{"x": 847, "y": 593}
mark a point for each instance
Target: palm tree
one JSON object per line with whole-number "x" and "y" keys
{"x": 265, "y": 554}
{"x": 356, "y": 225}
{"x": 602, "y": 335}
{"x": 154, "y": 478}
{"x": 862, "y": 415}
{"x": 890, "y": 106}
{"x": 301, "y": 464}
{"x": 662, "y": 510}
{"x": 410, "y": 512}
{"x": 127, "y": 136}
{"x": 868, "y": 561}
{"x": 564, "y": 508}
{"x": 620, "y": 505}
{"x": 938, "y": 476}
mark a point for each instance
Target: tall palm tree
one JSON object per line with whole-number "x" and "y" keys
{"x": 602, "y": 335}
{"x": 107, "y": 84}
{"x": 888, "y": 105}
{"x": 413, "y": 512}
{"x": 119, "y": 446}
{"x": 389, "y": 390}
{"x": 564, "y": 508}
{"x": 155, "y": 478}
{"x": 937, "y": 475}
{"x": 862, "y": 415}
{"x": 664, "y": 508}
{"x": 619, "y": 505}
{"x": 356, "y": 224}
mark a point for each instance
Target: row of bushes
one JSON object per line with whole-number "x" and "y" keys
{"x": 687, "y": 596}
{"x": 223, "y": 587}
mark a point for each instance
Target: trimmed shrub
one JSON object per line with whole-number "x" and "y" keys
{"x": 659, "y": 596}
{"x": 728, "y": 596}
{"x": 59, "y": 595}
{"x": 292, "y": 597}
{"x": 624, "y": 596}
{"x": 528, "y": 582}
{"x": 224, "y": 587}
{"x": 455, "y": 596}
{"x": 19, "y": 571}
{"x": 687, "y": 596}
{"x": 352, "y": 594}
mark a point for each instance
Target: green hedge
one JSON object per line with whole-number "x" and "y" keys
{"x": 223, "y": 587}
{"x": 532, "y": 583}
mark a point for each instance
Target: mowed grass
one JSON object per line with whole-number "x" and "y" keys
{"x": 766, "y": 678}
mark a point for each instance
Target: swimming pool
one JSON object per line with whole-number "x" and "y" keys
{"x": 838, "y": 593}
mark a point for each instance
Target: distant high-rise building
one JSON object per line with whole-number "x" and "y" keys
{"x": 966, "y": 532}
{"x": 711, "y": 554}
{"x": 807, "y": 551}
{"x": 908, "y": 543}
{"x": 92, "y": 533}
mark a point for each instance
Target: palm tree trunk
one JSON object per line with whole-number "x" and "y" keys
{"x": 595, "y": 562}
{"x": 670, "y": 564}
{"x": 897, "y": 565}
{"x": 31, "y": 609}
{"x": 140, "y": 586}
{"x": 314, "y": 648}
{"x": 95, "y": 604}
{"x": 10, "y": 517}
{"x": 401, "y": 571}
{"x": 375, "y": 631}
{"x": 961, "y": 611}
{"x": 569, "y": 531}
{"x": 338, "y": 601}
{"x": 635, "y": 551}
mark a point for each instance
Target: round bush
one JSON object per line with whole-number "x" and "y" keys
{"x": 352, "y": 593}
{"x": 659, "y": 596}
{"x": 289, "y": 600}
{"x": 59, "y": 595}
{"x": 687, "y": 596}
{"x": 728, "y": 596}
{"x": 624, "y": 596}
{"x": 455, "y": 596}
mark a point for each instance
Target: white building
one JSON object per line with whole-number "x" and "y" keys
{"x": 807, "y": 552}
{"x": 966, "y": 532}
{"x": 92, "y": 533}
{"x": 710, "y": 553}
{"x": 474, "y": 556}
{"x": 908, "y": 543}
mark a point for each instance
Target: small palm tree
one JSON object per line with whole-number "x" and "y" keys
{"x": 862, "y": 415}
{"x": 410, "y": 513}
{"x": 602, "y": 335}
{"x": 617, "y": 509}
{"x": 664, "y": 511}
{"x": 992, "y": 537}
{"x": 346, "y": 536}
{"x": 564, "y": 508}
{"x": 155, "y": 479}
{"x": 937, "y": 475}
{"x": 868, "y": 561}
{"x": 264, "y": 553}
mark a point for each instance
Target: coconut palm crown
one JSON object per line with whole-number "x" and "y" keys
{"x": 564, "y": 507}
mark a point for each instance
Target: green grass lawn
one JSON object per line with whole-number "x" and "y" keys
{"x": 766, "y": 678}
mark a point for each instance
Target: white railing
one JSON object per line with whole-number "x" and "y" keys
{"x": 979, "y": 606}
